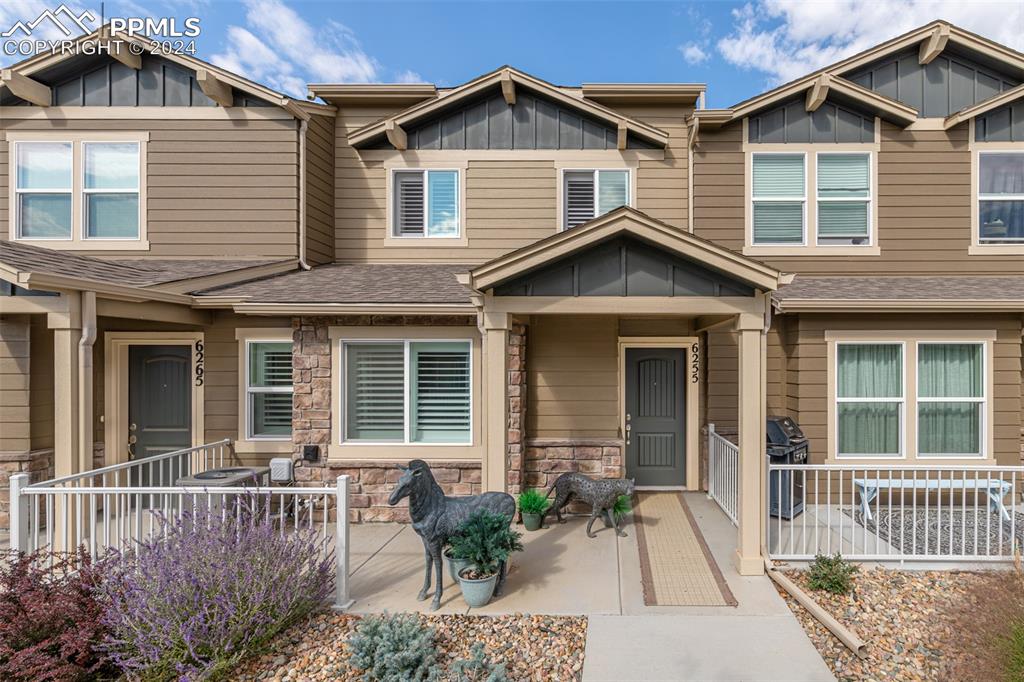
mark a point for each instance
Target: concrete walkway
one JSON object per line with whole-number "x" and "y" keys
{"x": 562, "y": 572}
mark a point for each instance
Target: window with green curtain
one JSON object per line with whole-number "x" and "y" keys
{"x": 869, "y": 399}
{"x": 844, "y": 194}
{"x": 43, "y": 188}
{"x": 778, "y": 193}
{"x": 269, "y": 389}
{"x": 440, "y": 392}
{"x": 950, "y": 398}
{"x": 375, "y": 392}
{"x": 442, "y": 203}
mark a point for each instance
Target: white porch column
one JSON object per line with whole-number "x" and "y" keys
{"x": 751, "y": 351}
{"x": 494, "y": 474}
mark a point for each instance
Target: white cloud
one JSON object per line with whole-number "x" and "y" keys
{"x": 281, "y": 49}
{"x": 693, "y": 53}
{"x": 13, "y": 11}
{"x": 785, "y": 39}
{"x": 409, "y": 76}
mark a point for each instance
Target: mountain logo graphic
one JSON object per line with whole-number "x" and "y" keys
{"x": 79, "y": 21}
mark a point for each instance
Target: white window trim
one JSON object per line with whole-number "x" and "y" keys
{"x": 869, "y": 200}
{"x": 78, "y": 240}
{"x": 406, "y": 391}
{"x": 803, "y": 199}
{"x": 810, "y": 247}
{"x": 901, "y": 400}
{"x": 630, "y": 188}
{"x": 246, "y": 443}
{"x": 983, "y": 401}
{"x": 251, "y": 391}
{"x": 460, "y": 185}
{"x": 978, "y": 247}
{"x": 911, "y": 340}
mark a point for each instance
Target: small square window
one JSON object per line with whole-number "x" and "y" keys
{"x": 588, "y": 194}
{"x": 426, "y": 203}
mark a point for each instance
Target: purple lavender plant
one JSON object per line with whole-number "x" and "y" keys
{"x": 191, "y": 604}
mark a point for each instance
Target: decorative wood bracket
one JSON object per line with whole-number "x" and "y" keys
{"x": 818, "y": 92}
{"x": 120, "y": 51}
{"x": 396, "y": 135}
{"x": 934, "y": 45}
{"x": 26, "y": 88}
{"x": 623, "y": 136}
{"x": 214, "y": 88}
{"x": 508, "y": 88}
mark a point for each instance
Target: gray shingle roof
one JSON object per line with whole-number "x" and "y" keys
{"x": 133, "y": 272}
{"x": 874, "y": 288}
{"x": 356, "y": 283}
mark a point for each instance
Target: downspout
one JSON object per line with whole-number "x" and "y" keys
{"x": 303, "y": 127}
{"x": 85, "y": 392}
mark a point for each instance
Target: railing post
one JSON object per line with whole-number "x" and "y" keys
{"x": 341, "y": 597}
{"x": 19, "y": 513}
{"x": 711, "y": 461}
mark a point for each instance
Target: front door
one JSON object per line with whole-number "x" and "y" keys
{"x": 656, "y": 416}
{"x": 159, "y": 405}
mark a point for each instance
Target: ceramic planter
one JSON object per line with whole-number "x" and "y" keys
{"x": 477, "y": 592}
{"x": 531, "y": 521}
{"x": 454, "y": 566}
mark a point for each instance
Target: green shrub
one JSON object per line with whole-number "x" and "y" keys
{"x": 486, "y": 540}
{"x": 394, "y": 649}
{"x": 533, "y": 501}
{"x": 623, "y": 505}
{"x": 477, "y": 668}
{"x": 832, "y": 573}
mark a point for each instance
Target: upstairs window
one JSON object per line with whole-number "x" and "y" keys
{"x": 43, "y": 190}
{"x": 111, "y": 190}
{"x": 269, "y": 390}
{"x": 844, "y": 199}
{"x": 426, "y": 203}
{"x": 1001, "y": 198}
{"x": 778, "y": 190}
{"x": 587, "y": 194}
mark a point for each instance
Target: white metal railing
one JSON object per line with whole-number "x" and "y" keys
{"x": 61, "y": 515}
{"x": 895, "y": 513}
{"x": 724, "y": 473}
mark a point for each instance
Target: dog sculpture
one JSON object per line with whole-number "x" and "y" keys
{"x": 436, "y": 517}
{"x": 599, "y": 494}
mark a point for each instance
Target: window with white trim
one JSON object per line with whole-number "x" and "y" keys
{"x": 425, "y": 203}
{"x": 587, "y": 194}
{"x": 844, "y": 198}
{"x": 1001, "y": 197}
{"x": 870, "y": 399}
{"x": 950, "y": 399}
{"x": 77, "y": 190}
{"x": 779, "y": 198}
{"x": 407, "y": 392}
{"x": 268, "y": 390}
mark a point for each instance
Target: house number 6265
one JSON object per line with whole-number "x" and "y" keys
{"x": 199, "y": 362}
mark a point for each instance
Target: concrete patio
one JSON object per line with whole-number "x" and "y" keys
{"x": 563, "y": 572}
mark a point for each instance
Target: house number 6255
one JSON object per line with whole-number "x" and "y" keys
{"x": 199, "y": 362}
{"x": 694, "y": 363}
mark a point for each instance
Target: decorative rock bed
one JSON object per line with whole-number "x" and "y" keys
{"x": 541, "y": 648}
{"x": 902, "y": 615}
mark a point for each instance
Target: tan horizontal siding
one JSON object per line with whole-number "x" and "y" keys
{"x": 15, "y": 381}
{"x": 215, "y": 188}
{"x": 320, "y": 189}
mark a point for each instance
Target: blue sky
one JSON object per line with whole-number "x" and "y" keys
{"x": 738, "y": 48}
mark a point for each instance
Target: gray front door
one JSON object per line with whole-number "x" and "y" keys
{"x": 655, "y": 416}
{"x": 159, "y": 406}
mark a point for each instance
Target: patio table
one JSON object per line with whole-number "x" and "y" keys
{"x": 995, "y": 488}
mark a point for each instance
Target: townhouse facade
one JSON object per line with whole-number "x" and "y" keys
{"x": 511, "y": 279}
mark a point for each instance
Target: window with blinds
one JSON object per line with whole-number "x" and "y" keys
{"x": 269, "y": 390}
{"x": 408, "y": 392}
{"x": 844, "y": 198}
{"x": 591, "y": 193}
{"x": 1001, "y": 197}
{"x": 778, "y": 193}
{"x": 426, "y": 203}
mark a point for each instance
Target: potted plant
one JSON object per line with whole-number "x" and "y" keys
{"x": 486, "y": 540}
{"x": 454, "y": 565}
{"x": 532, "y": 505}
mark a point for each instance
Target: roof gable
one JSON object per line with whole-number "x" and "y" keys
{"x": 511, "y": 83}
{"x": 624, "y": 223}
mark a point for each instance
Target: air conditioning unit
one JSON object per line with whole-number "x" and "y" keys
{"x": 281, "y": 470}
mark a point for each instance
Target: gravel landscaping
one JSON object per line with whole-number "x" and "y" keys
{"x": 541, "y": 648}
{"x": 900, "y": 614}
{"x": 945, "y": 531}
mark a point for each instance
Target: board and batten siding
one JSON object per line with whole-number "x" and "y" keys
{"x": 924, "y": 206}
{"x": 509, "y": 202}
{"x": 215, "y": 188}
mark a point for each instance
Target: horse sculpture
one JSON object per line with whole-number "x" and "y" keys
{"x": 436, "y": 517}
